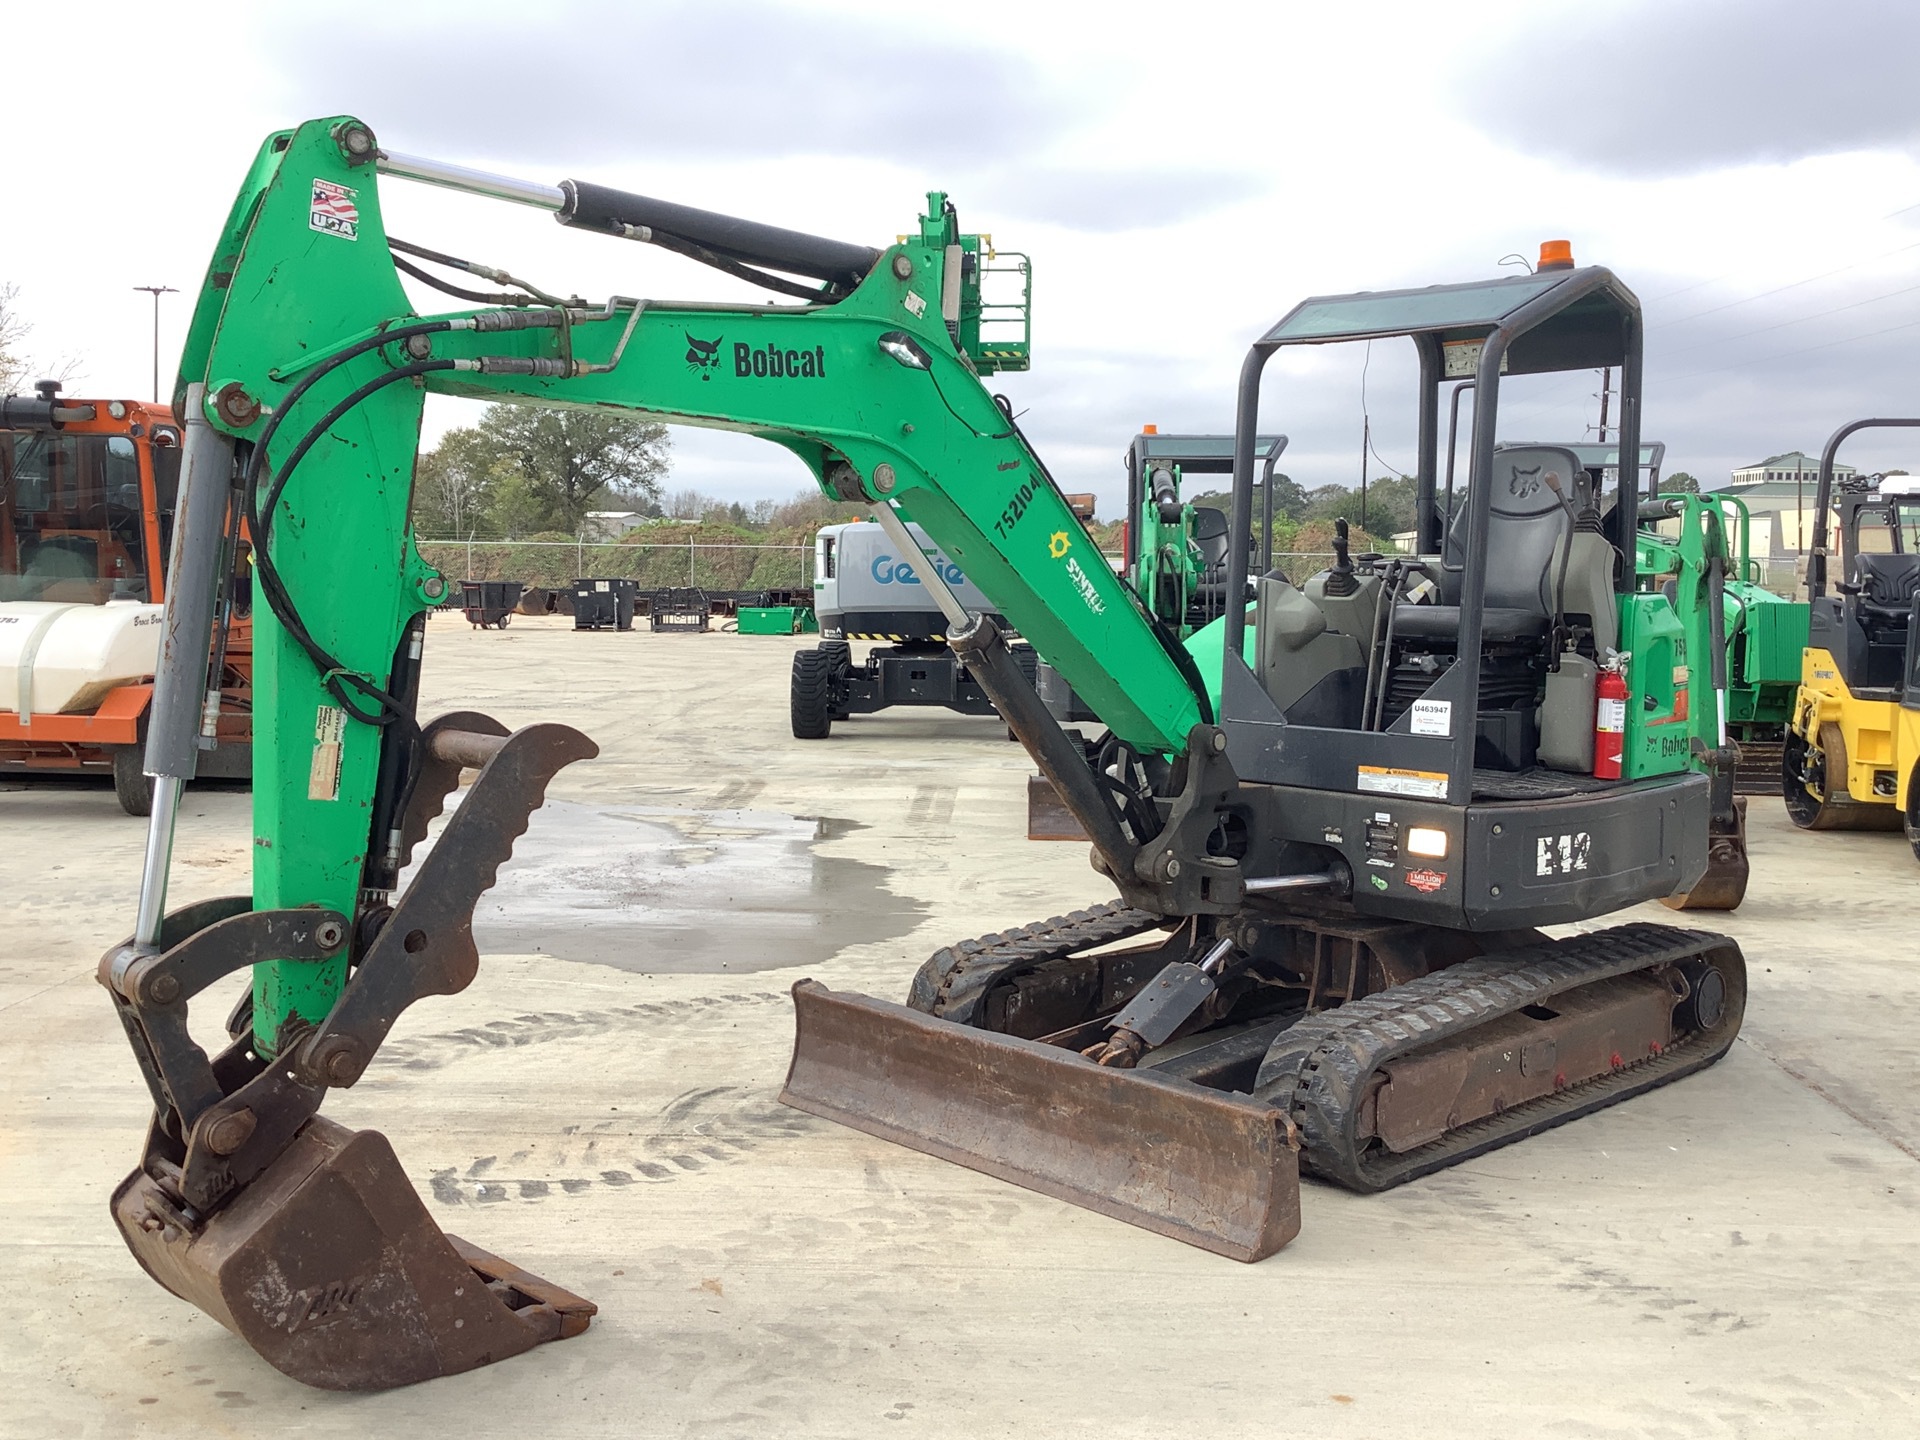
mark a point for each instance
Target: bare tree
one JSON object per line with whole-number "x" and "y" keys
{"x": 18, "y": 370}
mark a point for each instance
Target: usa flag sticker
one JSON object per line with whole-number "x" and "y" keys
{"x": 334, "y": 211}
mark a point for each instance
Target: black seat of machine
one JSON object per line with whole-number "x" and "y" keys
{"x": 1885, "y": 585}
{"x": 1526, "y": 527}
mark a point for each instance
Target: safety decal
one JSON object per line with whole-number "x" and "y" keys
{"x": 1387, "y": 780}
{"x": 916, "y": 304}
{"x": 335, "y": 211}
{"x": 1426, "y": 881}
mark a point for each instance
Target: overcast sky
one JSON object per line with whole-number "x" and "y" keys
{"x": 1181, "y": 175}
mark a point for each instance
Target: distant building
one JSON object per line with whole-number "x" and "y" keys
{"x": 1778, "y": 493}
{"x": 1795, "y": 466}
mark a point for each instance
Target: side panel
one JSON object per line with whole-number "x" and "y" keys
{"x": 1663, "y": 688}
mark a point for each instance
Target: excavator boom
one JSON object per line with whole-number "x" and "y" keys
{"x": 301, "y": 392}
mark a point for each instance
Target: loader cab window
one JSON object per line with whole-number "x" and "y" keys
{"x": 71, "y": 527}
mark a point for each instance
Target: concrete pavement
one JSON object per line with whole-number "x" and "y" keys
{"x": 1733, "y": 1255}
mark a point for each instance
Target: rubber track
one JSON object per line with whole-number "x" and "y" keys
{"x": 955, "y": 979}
{"x": 1320, "y": 1068}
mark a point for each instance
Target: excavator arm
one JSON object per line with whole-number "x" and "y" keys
{"x": 302, "y": 388}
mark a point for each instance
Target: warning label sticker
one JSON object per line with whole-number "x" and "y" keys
{"x": 1385, "y": 780}
{"x": 335, "y": 210}
{"x": 1433, "y": 717}
{"x": 329, "y": 736}
{"x": 1462, "y": 358}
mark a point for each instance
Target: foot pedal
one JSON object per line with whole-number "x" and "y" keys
{"x": 330, "y": 1268}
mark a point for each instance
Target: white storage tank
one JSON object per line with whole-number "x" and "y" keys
{"x": 57, "y": 659}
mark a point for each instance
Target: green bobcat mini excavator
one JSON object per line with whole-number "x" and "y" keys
{"x": 1335, "y": 872}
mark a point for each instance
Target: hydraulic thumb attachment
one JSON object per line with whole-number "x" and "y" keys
{"x": 304, "y": 1238}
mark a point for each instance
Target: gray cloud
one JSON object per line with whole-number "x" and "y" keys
{"x": 1670, "y": 89}
{"x": 1107, "y": 201}
{"x": 602, "y": 81}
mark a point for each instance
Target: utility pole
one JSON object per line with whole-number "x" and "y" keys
{"x": 1366, "y": 444}
{"x": 1606, "y": 392}
{"x": 156, "y": 291}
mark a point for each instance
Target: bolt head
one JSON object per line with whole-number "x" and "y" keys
{"x": 355, "y": 141}
{"x": 433, "y": 587}
{"x": 343, "y": 1067}
{"x": 328, "y": 934}
{"x": 883, "y": 478}
{"x": 164, "y": 990}
{"x": 231, "y": 1131}
{"x": 903, "y": 267}
{"x": 236, "y": 406}
{"x": 1170, "y": 868}
{"x": 1219, "y": 742}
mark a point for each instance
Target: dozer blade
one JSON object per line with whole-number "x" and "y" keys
{"x": 1214, "y": 1169}
{"x": 1048, "y": 817}
{"x": 330, "y": 1267}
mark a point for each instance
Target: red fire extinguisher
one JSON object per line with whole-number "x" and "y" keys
{"x": 1610, "y": 717}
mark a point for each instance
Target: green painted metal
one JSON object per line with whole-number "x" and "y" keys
{"x": 1661, "y": 701}
{"x": 291, "y": 285}
{"x": 1765, "y": 632}
{"x": 1167, "y": 563}
{"x": 777, "y": 620}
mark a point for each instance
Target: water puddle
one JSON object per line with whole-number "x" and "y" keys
{"x": 685, "y": 891}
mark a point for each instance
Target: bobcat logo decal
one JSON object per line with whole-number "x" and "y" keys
{"x": 1522, "y": 483}
{"x": 703, "y": 356}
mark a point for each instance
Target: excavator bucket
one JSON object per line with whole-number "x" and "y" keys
{"x": 1214, "y": 1169}
{"x": 330, "y": 1267}
{"x": 1724, "y": 885}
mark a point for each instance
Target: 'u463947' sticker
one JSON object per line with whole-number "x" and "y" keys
{"x": 335, "y": 211}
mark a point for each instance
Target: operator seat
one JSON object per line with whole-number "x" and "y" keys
{"x": 1526, "y": 531}
{"x": 1881, "y": 599}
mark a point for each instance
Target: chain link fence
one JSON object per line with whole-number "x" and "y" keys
{"x": 656, "y": 566}
{"x": 652, "y": 567}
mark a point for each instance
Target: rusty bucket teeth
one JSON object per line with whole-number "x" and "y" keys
{"x": 330, "y": 1267}
{"x": 1216, "y": 1170}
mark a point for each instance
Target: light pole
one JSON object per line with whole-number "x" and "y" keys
{"x": 156, "y": 291}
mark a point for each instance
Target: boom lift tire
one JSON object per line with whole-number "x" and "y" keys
{"x": 810, "y": 703}
{"x": 842, "y": 655}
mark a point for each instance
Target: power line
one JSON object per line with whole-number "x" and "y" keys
{"x": 1803, "y": 350}
{"x": 1800, "y": 320}
{"x": 1782, "y": 289}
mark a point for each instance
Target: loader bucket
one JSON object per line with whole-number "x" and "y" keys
{"x": 330, "y": 1267}
{"x": 1214, "y": 1169}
